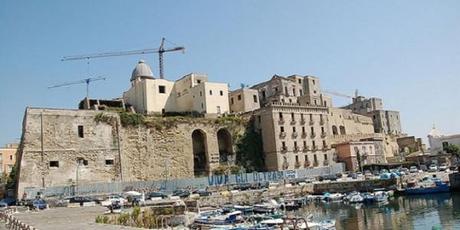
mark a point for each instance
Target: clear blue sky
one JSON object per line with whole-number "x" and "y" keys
{"x": 406, "y": 52}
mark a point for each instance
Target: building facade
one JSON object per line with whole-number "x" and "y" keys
{"x": 439, "y": 141}
{"x": 8, "y": 158}
{"x": 385, "y": 121}
{"x": 244, "y": 100}
{"x": 357, "y": 154}
{"x": 293, "y": 120}
{"x": 191, "y": 93}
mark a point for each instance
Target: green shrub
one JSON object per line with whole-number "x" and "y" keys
{"x": 131, "y": 119}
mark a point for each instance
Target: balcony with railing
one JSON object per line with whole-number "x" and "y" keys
{"x": 282, "y": 134}
{"x": 283, "y": 149}
{"x": 321, "y": 122}
{"x": 326, "y": 163}
{"x": 297, "y": 164}
{"x": 306, "y": 164}
{"x": 314, "y": 148}
{"x": 296, "y": 149}
{"x": 323, "y": 134}
{"x": 313, "y": 135}
{"x": 304, "y": 134}
{"x": 302, "y": 121}
{"x": 281, "y": 121}
{"x": 295, "y": 135}
{"x": 312, "y": 122}
{"x": 306, "y": 149}
{"x": 326, "y": 147}
{"x": 293, "y": 122}
{"x": 315, "y": 164}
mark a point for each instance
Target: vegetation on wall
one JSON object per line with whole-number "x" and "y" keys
{"x": 131, "y": 119}
{"x": 249, "y": 150}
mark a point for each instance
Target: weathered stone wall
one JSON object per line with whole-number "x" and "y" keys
{"x": 163, "y": 147}
{"x": 53, "y": 136}
{"x": 160, "y": 148}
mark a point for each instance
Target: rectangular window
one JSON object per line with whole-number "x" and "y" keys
{"x": 201, "y": 94}
{"x": 306, "y": 158}
{"x": 255, "y": 98}
{"x": 296, "y": 158}
{"x": 303, "y": 129}
{"x": 263, "y": 95}
{"x": 293, "y": 129}
{"x": 218, "y": 109}
{"x": 221, "y": 93}
{"x": 54, "y": 164}
{"x": 81, "y": 134}
{"x": 292, "y": 116}
{"x": 11, "y": 157}
{"x": 300, "y": 81}
{"x": 210, "y": 92}
{"x": 300, "y": 92}
{"x": 282, "y": 128}
{"x": 325, "y": 157}
{"x": 293, "y": 92}
{"x": 283, "y": 144}
{"x": 304, "y": 144}
{"x": 232, "y": 101}
{"x": 109, "y": 162}
{"x": 162, "y": 89}
{"x": 239, "y": 97}
{"x": 281, "y": 115}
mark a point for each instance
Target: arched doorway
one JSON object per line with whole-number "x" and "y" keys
{"x": 200, "y": 162}
{"x": 224, "y": 140}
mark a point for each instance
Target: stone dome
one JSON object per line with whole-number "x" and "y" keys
{"x": 434, "y": 132}
{"x": 142, "y": 70}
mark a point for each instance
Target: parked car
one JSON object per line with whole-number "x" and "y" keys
{"x": 182, "y": 193}
{"x": 443, "y": 167}
{"x": 112, "y": 199}
{"x": 433, "y": 168}
{"x": 39, "y": 204}
{"x": 423, "y": 168}
{"x": 9, "y": 201}
{"x": 80, "y": 199}
{"x": 159, "y": 195}
{"x": 413, "y": 169}
{"x": 202, "y": 192}
{"x": 3, "y": 205}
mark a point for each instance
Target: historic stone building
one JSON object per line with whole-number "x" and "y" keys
{"x": 294, "y": 123}
{"x": 244, "y": 100}
{"x": 66, "y": 147}
{"x": 385, "y": 121}
{"x": 191, "y": 93}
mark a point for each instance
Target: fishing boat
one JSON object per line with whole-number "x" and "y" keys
{"x": 428, "y": 186}
{"x": 216, "y": 219}
{"x": 267, "y": 207}
{"x": 333, "y": 197}
{"x": 354, "y": 197}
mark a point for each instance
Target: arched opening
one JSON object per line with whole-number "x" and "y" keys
{"x": 334, "y": 130}
{"x": 224, "y": 139}
{"x": 199, "y": 153}
{"x": 342, "y": 130}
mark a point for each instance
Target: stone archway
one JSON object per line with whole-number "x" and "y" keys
{"x": 200, "y": 152}
{"x": 224, "y": 140}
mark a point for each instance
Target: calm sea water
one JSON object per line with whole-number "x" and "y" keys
{"x": 439, "y": 211}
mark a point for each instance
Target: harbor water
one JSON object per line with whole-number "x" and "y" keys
{"x": 420, "y": 212}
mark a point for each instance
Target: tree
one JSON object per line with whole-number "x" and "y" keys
{"x": 249, "y": 153}
{"x": 11, "y": 181}
{"x": 452, "y": 149}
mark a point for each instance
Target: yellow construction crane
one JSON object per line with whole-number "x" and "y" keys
{"x": 159, "y": 50}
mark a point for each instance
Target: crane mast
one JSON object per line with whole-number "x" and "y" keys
{"x": 161, "y": 50}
